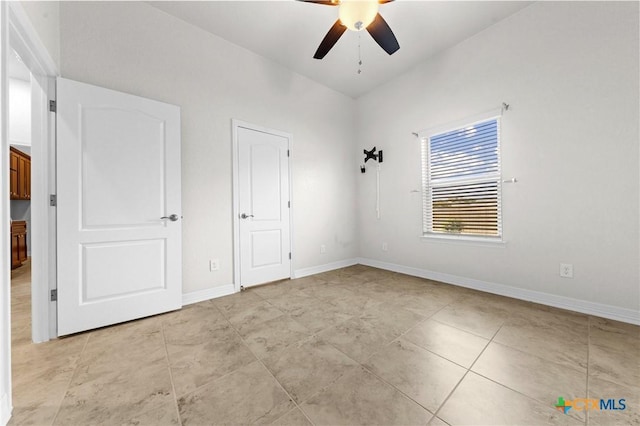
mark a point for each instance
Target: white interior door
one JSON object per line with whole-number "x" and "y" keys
{"x": 119, "y": 207}
{"x": 263, "y": 206}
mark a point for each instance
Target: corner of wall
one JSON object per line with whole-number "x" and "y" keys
{"x": 304, "y": 272}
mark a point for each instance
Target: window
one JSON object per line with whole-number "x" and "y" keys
{"x": 462, "y": 181}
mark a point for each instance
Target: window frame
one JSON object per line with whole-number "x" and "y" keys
{"x": 427, "y": 207}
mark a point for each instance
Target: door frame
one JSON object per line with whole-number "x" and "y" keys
{"x": 24, "y": 39}
{"x": 17, "y": 32}
{"x": 235, "y": 125}
{"x": 5, "y": 247}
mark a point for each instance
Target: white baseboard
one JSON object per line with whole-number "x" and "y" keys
{"x": 225, "y": 290}
{"x": 207, "y": 294}
{"x": 583, "y": 306}
{"x": 5, "y": 409}
{"x": 304, "y": 272}
{"x": 577, "y": 305}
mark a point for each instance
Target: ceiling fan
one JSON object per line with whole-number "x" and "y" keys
{"x": 357, "y": 15}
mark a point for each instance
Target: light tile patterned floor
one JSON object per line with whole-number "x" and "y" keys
{"x": 352, "y": 346}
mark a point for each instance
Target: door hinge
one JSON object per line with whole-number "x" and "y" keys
{"x": 288, "y": 153}
{"x": 52, "y": 106}
{"x": 289, "y": 255}
{"x": 54, "y": 295}
{"x": 289, "y": 204}
{"x": 53, "y": 200}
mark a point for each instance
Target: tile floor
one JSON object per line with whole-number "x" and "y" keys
{"x": 352, "y": 346}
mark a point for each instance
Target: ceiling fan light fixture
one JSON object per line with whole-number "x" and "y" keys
{"x": 357, "y": 14}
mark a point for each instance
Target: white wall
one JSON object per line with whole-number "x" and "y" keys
{"x": 19, "y": 112}
{"x": 135, "y": 48}
{"x": 45, "y": 18}
{"x": 570, "y": 72}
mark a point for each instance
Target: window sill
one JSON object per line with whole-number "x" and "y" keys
{"x": 471, "y": 241}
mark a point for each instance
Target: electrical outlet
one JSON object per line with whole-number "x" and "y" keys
{"x": 323, "y": 248}
{"x": 385, "y": 247}
{"x": 214, "y": 265}
{"x": 566, "y": 270}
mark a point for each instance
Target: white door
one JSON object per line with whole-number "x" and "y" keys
{"x": 119, "y": 207}
{"x": 263, "y": 206}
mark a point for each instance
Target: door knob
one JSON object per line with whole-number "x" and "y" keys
{"x": 172, "y": 218}
{"x": 245, "y": 216}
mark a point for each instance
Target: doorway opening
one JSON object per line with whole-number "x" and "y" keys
{"x": 35, "y": 134}
{"x": 20, "y": 198}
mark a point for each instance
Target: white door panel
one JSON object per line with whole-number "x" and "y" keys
{"x": 137, "y": 145}
{"x": 118, "y": 174}
{"x": 263, "y": 194}
{"x": 266, "y": 248}
{"x": 102, "y": 261}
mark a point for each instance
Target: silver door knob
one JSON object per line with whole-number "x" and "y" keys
{"x": 172, "y": 218}
{"x": 244, "y": 215}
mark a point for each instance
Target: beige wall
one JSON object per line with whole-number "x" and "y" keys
{"x": 135, "y": 48}
{"x": 569, "y": 70}
{"x": 45, "y": 17}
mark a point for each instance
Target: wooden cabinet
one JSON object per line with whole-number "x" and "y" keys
{"x": 18, "y": 243}
{"x": 13, "y": 189}
{"x": 20, "y": 188}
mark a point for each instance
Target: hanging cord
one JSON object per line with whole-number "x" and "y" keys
{"x": 359, "y": 56}
{"x": 378, "y": 191}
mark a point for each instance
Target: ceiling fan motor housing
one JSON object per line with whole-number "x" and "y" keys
{"x": 357, "y": 14}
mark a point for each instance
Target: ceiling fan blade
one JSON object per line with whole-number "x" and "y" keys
{"x": 382, "y": 34}
{"x": 330, "y": 39}
{"x": 325, "y": 2}
{"x": 336, "y": 2}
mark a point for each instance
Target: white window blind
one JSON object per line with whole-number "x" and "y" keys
{"x": 462, "y": 181}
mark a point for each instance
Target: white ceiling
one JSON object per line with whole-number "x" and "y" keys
{"x": 289, "y": 32}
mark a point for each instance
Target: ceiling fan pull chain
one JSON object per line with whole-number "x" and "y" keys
{"x": 359, "y": 56}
